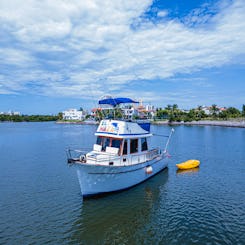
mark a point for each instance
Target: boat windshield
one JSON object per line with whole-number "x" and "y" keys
{"x": 144, "y": 146}
{"x": 110, "y": 142}
{"x": 116, "y": 143}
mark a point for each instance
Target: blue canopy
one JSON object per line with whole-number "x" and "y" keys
{"x": 116, "y": 101}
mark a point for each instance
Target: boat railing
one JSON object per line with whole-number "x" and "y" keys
{"x": 102, "y": 158}
{"x": 145, "y": 156}
{"x": 76, "y": 154}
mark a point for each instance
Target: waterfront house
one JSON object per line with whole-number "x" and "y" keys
{"x": 74, "y": 114}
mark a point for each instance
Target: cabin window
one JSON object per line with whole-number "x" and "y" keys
{"x": 116, "y": 143}
{"x": 99, "y": 140}
{"x": 105, "y": 143}
{"x": 144, "y": 146}
{"x": 133, "y": 145}
{"x": 125, "y": 147}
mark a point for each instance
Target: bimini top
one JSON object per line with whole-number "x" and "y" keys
{"x": 116, "y": 101}
{"x": 121, "y": 129}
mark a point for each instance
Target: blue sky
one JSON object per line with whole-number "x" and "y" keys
{"x": 62, "y": 54}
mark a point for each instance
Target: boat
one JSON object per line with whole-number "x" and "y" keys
{"x": 121, "y": 157}
{"x": 188, "y": 164}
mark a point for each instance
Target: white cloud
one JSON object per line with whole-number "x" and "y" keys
{"x": 15, "y": 57}
{"x": 66, "y": 47}
{"x": 162, "y": 14}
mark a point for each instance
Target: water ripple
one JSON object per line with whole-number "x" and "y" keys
{"x": 40, "y": 200}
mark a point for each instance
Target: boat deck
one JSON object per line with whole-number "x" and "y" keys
{"x": 108, "y": 159}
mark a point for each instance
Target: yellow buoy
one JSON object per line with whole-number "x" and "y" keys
{"x": 188, "y": 164}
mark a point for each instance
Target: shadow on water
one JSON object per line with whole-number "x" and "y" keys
{"x": 187, "y": 171}
{"x": 116, "y": 218}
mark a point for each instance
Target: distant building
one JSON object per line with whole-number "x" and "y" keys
{"x": 73, "y": 114}
{"x": 222, "y": 109}
{"x": 94, "y": 112}
{"x": 11, "y": 113}
{"x": 146, "y": 111}
{"x": 15, "y": 113}
{"x": 149, "y": 107}
{"x": 185, "y": 110}
{"x": 140, "y": 111}
{"x": 97, "y": 112}
{"x": 206, "y": 109}
{"x": 130, "y": 112}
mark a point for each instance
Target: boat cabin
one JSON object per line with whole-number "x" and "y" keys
{"x": 120, "y": 143}
{"x": 119, "y": 146}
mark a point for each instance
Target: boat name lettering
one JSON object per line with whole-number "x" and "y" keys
{"x": 110, "y": 128}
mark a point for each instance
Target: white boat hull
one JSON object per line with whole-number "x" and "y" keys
{"x": 98, "y": 179}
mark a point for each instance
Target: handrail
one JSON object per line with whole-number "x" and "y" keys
{"x": 99, "y": 158}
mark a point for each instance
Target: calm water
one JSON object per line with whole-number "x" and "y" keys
{"x": 40, "y": 199}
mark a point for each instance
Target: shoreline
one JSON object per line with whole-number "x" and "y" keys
{"x": 78, "y": 122}
{"x": 226, "y": 123}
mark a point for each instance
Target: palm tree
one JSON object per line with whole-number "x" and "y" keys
{"x": 199, "y": 112}
{"x": 199, "y": 108}
{"x": 168, "y": 107}
{"x": 243, "y": 110}
{"x": 175, "y": 107}
{"x": 214, "y": 110}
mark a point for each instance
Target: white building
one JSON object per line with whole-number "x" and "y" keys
{"x": 16, "y": 113}
{"x": 149, "y": 108}
{"x": 11, "y": 113}
{"x": 130, "y": 112}
{"x": 73, "y": 114}
{"x": 206, "y": 109}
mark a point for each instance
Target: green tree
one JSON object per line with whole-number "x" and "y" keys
{"x": 162, "y": 114}
{"x": 200, "y": 113}
{"x": 232, "y": 112}
{"x": 60, "y": 116}
{"x": 214, "y": 110}
{"x": 175, "y": 107}
{"x": 118, "y": 113}
{"x": 243, "y": 110}
{"x": 168, "y": 108}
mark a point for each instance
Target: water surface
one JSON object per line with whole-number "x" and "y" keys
{"x": 40, "y": 200}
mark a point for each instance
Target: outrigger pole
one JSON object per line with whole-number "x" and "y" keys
{"x": 169, "y": 137}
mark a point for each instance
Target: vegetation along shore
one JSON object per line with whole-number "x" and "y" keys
{"x": 224, "y": 123}
{"x": 171, "y": 114}
{"x": 229, "y": 117}
{"x": 27, "y": 118}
